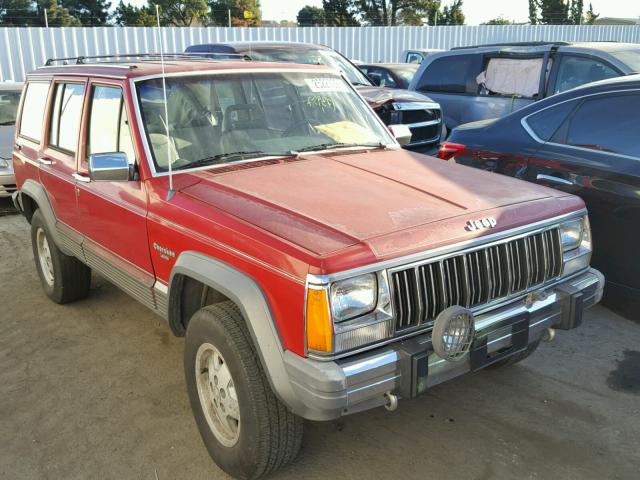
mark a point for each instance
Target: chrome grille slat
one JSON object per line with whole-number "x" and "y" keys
{"x": 474, "y": 278}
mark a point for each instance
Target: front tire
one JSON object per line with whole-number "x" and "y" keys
{"x": 64, "y": 278}
{"x": 246, "y": 429}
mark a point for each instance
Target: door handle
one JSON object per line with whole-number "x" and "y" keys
{"x": 81, "y": 178}
{"x": 45, "y": 161}
{"x": 553, "y": 179}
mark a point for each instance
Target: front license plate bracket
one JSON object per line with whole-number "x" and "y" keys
{"x": 480, "y": 357}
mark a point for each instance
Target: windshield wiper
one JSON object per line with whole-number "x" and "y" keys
{"x": 331, "y": 146}
{"x": 4, "y": 124}
{"x": 231, "y": 156}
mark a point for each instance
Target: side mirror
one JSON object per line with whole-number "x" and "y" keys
{"x": 402, "y": 134}
{"x": 110, "y": 167}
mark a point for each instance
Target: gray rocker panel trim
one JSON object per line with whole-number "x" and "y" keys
{"x": 246, "y": 293}
{"x": 133, "y": 281}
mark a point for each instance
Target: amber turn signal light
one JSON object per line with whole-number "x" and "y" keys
{"x": 319, "y": 326}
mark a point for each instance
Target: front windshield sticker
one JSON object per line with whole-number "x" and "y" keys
{"x": 326, "y": 84}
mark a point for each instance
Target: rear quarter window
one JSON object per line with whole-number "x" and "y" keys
{"x": 546, "y": 122}
{"x": 35, "y": 101}
{"x": 451, "y": 74}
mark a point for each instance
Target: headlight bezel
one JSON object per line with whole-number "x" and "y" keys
{"x": 357, "y": 330}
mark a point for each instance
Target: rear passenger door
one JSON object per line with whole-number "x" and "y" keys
{"x": 113, "y": 213}
{"x": 595, "y": 154}
{"x": 57, "y": 159}
{"x": 27, "y": 148}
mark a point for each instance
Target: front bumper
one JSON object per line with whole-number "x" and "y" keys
{"x": 328, "y": 390}
{"x": 7, "y": 183}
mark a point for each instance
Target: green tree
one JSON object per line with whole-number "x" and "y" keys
{"x": 128, "y": 15}
{"x": 498, "y": 21}
{"x": 575, "y": 11}
{"x": 219, "y": 12}
{"x": 397, "y": 12}
{"x": 558, "y": 12}
{"x": 89, "y": 12}
{"x": 533, "y": 12}
{"x": 16, "y": 13}
{"x": 591, "y": 16}
{"x": 309, "y": 16}
{"x": 180, "y": 14}
{"x": 339, "y": 13}
{"x": 452, "y": 14}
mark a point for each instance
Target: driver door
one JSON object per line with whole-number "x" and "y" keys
{"x": 113, "y": 213}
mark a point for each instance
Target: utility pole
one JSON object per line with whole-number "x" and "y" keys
{"x": 229, "y": 17}
{"x": 435, "y": 20}
{"x": 46, "y": 19}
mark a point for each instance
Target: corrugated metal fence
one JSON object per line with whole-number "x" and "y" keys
{"x": 23, "y": 49}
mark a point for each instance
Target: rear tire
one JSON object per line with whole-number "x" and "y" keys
{"x": 265, "y": 436}
{"x": 64, "y": 278}
{"x": 518, "y": 357}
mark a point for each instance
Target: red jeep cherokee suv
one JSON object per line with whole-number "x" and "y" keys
{"x": 315, "y": 268}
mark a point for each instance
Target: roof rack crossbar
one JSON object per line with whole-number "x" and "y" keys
{"x": 128, "y": 57}
{"x": 514, "y": 44}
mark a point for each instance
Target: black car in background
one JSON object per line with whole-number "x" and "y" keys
{"x": 394, "y": 106}
{"x": 390, "y": 75}
{"x": 587, "y": 142}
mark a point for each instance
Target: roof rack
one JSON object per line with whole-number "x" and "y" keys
{"x": 514, "y": 44}
{"x": 138, "y": 57}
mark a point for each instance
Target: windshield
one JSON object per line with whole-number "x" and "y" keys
{"x": 631, "y": 58}
{"x": 315, "y": 57}
{"x": 217, "y": 119}
{"x": 9, "y": 102}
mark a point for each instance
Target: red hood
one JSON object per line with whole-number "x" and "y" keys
{"x": 386, "y": 200}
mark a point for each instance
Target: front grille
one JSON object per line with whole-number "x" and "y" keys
{"x": 430, "y": 133}
{"x": 418, "y": 116}
{"x": 474, "y": 278}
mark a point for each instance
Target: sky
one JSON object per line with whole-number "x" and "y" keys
{"x": 476, "y": 11}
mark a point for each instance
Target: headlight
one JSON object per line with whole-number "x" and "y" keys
{"x": 4, "y": 163}
{"x": 576, "y": 244}
{"x": 571, "y": 234}
{"x": 353, "y": 297}
{"x": 348, "y": 314}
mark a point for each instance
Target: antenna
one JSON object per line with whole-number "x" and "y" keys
{"x": 166, "y": 109}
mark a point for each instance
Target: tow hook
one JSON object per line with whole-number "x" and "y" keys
{"x": 392, "y": 401}
{"x": 549, "y": 334}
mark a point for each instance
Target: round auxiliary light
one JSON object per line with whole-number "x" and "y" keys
{"x": 453, "y": 333}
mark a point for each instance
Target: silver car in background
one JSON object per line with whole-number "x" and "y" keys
{"x": 9, "y": 100}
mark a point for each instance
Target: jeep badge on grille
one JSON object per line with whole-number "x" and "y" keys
{"x": 489, "y": 222}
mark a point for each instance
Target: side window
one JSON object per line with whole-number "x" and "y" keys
{"x": 9, "y": 102}
{"x": 108, "y": 123}
{"x": 65, "y": 117}
{"x": 608, "y": 124}
{"x": 546, "y": 122}
{"x": 35, "y": 101}
{"x": 576, "y": 71}
{"x": 451, "y": 74}
{"x": 414, "y": 57}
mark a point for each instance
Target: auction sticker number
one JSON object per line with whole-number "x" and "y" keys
{"x": 326, "y": 84}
